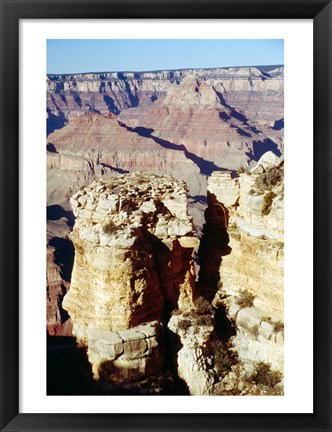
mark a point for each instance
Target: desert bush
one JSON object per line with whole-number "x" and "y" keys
{"x": 128, "y": 207}
{"x": 225, "y": 357}
{"x": 237, "y": 383}
{"x": 202, "y": 306}
{"x": 110, "y": 228}
{"x": 233, "y": 226}
{"x": 280, "y": 245}
{"x": 241, "y": 170}
{"x": 272, "y": 177}
{"x": 184, "y": 324}
{"x": 278, "y": 326}
{"x": 245, "y": 299}
{"x": 263, "y": 375}
{"x": 268, "y": 199}
{"x": 255, "y": 330}
{"x": 203, "y": 319}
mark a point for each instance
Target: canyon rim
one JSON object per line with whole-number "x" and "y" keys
{"x": 165, "y": 232}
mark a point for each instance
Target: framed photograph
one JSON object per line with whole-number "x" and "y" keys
{"x": 187, "y": 189}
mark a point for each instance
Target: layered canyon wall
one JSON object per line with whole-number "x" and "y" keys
{"x": 141, "y": 311}
{"x": 199, "y": 126}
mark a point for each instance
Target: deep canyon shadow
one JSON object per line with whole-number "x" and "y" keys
{"x": 205, "y": 167}
{"x": 56, "y": 212}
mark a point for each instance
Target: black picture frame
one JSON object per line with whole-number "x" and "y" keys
{"x": 11, "y": 12}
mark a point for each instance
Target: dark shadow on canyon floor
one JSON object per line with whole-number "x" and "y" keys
{"x": 206, "y": 167}
{"x": 56, "y": 212}
{"x": 261, "y": 147}
{"x": 68, "y": 369}
{"x": 64, "y": 255}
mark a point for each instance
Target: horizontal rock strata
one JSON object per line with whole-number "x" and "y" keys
{"x": 134, "y": 250}
{"x": 251, "y": 275}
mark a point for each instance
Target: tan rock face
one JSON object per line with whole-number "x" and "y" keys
{"x": 252, "y": 273}
{"x": 134, "y": 250}
{"x": 195, "y": 358}
{"x": 125, "y": 355}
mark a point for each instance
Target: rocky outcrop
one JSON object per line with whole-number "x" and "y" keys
{"x": 195, "y": 359}
{"x": 133, "y": 295}
{"x": 251, "y": 275}
{"x": 134, "y": 301}
{"x": 134, "y": 252}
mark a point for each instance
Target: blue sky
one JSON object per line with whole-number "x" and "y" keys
{"x": 106, "y": 55}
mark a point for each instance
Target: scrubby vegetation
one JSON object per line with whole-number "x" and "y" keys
{"x": 263, "y": 381}
{"x": 278, "y": 326}
{"x": 263, "y": 375}
{"x": 268, "y": 200}
{"x": 203, "y": 306}
{"x": 184, "y": 324}
{"x": 241, "y": 170}
{"x": 280, "y": 245}
{"x": 110, "y": 228}
{"x": 128, "y": 207}
{"x": 245, "y": 299}
{"x": 225, "y": 357}
{"x": 272, "y": 177}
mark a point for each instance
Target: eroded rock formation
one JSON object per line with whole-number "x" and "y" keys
{"x": 134, "y": 241}
{"x": 195, "y": 115}
{"x": 134, "y": 302}
{"x": 134, "y": 251}
{"x": 244, "y": 87}
{"x": 251, "y": 276}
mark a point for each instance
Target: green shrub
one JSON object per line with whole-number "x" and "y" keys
{"x": 268, "y": 199}
{"x": 128, "y": 207}
{"x": 203, "y": 319}
{"x": 245, "y": 299}
{"x": 265, "y": 376}
{"x": 272, "y": 177}
{"x": 255, "y": 330}
{"x": 241, "y": 170}
{"x": 110, "y": 228}
{"x": 184, "y": 324}
{"x": 225, "y": 357}
{"x": 233, "y": 226}
{"x": 278, "y": 326}
{"x": 202, "y": 306}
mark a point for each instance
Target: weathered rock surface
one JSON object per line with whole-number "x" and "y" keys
{"x": 125, "y": 355}
{"x": 195, "y": 359}
{"x": 251, "y": 274}
{"x": 134, "y": 241}
{"x": 134, "y": 251}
